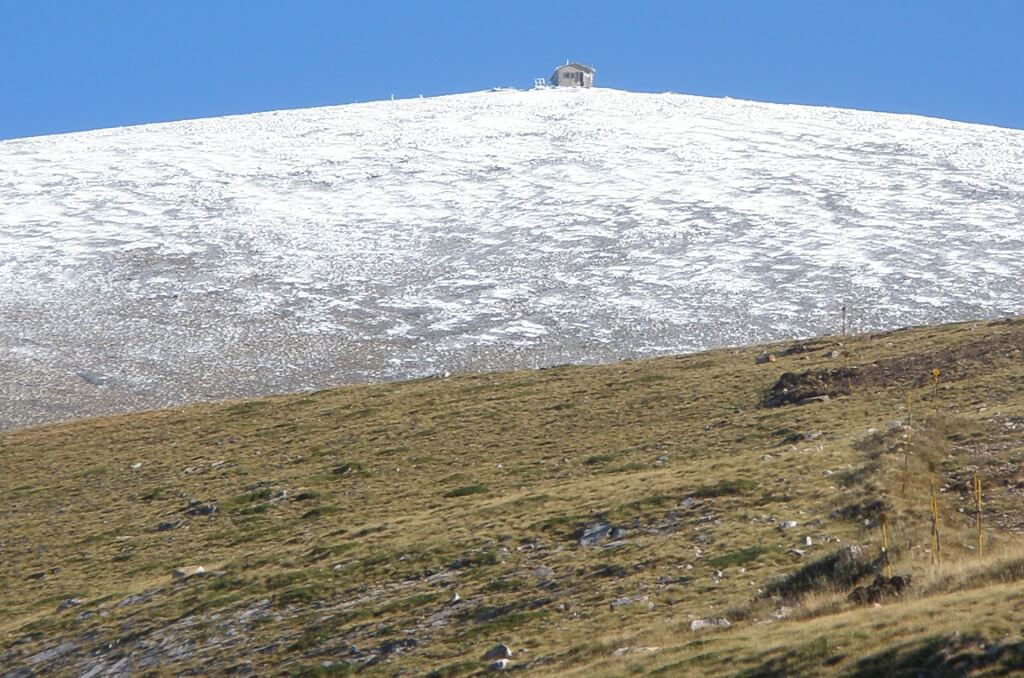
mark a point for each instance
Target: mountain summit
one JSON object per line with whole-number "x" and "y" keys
{"x": 160, "y": 264}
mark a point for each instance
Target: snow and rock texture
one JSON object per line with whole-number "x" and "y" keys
{"x": 155, "y": 265}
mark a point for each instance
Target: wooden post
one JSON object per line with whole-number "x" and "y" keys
{"x": 936, "y": 542}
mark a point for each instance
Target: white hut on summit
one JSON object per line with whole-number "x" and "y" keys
{"x": 573, "y": 75}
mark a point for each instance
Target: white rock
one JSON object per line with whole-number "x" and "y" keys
{"x": 709, "y": 623}
{"x": 186, "y": 572}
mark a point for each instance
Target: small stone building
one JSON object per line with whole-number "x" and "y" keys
{"x": 573, "y": 75}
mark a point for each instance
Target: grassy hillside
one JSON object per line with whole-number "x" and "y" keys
{"x": 585, "y": 516}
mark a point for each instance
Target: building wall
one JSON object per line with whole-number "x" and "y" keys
{"x": 567, "y": 76}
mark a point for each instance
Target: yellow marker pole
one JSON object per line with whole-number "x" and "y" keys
{"x": 935, "y": 382}
{"x": 910, "y": 413}
{"x": 884, "y": 521}
{"x": 936, "y": 542}
{"x": 977, "y": 498}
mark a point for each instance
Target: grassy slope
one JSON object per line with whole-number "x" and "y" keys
{"x": 348, "y": 518}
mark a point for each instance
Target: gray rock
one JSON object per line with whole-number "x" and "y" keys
{"x": 167, "y": 525}
{"x": 594, "y": 533}
{"x": 623, "y": 651}
{"x": 69, "y": 603}
{"x": 709, "y": 623}
{"x": 621, "y": 602}
{"x": 499, "y": 651}
{"x": 500, "y": 665}
{"x": 51, "y": 654}
{"x": 198, "y": 508}
{"x": 787, "y": 524}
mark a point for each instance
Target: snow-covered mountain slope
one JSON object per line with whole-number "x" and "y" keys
{"x": 167, "y": 263}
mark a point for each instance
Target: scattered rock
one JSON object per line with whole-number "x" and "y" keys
{"x": 51, "y": 654}
{"x": 626, "y": 600}
{"x": 138, "y": 598}
{"x": 542, "y": 572}
{"x": 594, "y": 533}
{"x": 389, "y": 647}
{"x": 500, "y": 665}
{"x": 882, "y": 587}
{"x": 787, "y": 524}
{"x": 135, "y": 466}
{"x": 455, "y": 598}
{"x": 198, "y": 508}
{"x": 187, "y": 572}
{"x": 808, "y": 541}
{"x": 499, "y": 651}
{"x": 167, "y": 525}
{"x": 807, "y": 387}
{"x": 764, "y": 358}
{"x": 69, "y": 603}
{"x": 709, "y": 623}
{"x": 623, "y": 651}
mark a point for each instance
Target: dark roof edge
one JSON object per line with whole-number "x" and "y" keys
{"x": 576, "y": 64}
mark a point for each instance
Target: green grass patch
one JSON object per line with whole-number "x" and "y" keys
{"x": 738, "y": 558}
{"x": 467, "y": 490}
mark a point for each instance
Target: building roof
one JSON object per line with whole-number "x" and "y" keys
{"x": 577, "y": 66}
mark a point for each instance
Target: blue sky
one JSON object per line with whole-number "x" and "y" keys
{"x": 83, "y": 64}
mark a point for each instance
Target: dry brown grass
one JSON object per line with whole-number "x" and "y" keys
{"x": 399, "y": 495}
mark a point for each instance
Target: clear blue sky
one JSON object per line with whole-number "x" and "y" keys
{"x": 82, "y": 64}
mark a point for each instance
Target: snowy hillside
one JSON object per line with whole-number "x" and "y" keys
{"x": 162, "y": 264}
